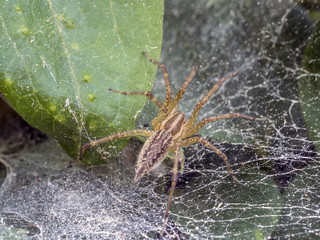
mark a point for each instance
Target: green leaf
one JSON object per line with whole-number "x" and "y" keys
{"x": 58, "y": 60}
{"x": 309, "y": 85}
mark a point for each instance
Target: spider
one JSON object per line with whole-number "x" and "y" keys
{"x": 171, "y": 131}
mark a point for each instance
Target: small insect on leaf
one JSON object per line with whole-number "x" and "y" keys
{"x": 172, "y": 131}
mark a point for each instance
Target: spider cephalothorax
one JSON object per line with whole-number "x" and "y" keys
{"x": 171, "y": 131}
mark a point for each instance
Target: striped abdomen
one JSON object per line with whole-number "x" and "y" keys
{"x": 156, "y": 148}
{"x": 153, "y": 152}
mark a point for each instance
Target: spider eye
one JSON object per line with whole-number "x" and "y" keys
{"x": 146, "y": 125}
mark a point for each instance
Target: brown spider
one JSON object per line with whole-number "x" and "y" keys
{"x": 171, "y": 131}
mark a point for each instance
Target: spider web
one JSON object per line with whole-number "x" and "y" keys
{"x": 276, "y": 160}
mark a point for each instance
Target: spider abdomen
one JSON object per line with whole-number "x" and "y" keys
{"x": 153, "y": 152}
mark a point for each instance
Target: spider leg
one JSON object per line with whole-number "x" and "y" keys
{"x": 183, "y": 89}
{"x": 149, "y": 95}
{"x": 173, "y": 185}
{"x": 166, "y": 79}
{"x": 206, "y": 98}
{"x": 196, "y": 139}
{"x": 142, "y": 132}
{"x": 200, "y": 124}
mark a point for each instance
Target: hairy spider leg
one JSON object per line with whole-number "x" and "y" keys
{"x": 131, "y": 133}
{"x": 183, "y": 89}
{"x": 166, "y": 79}
{"x": 196, "y": 139}
{"x": 148, "y": 94}
{"x": 196, "y": 110}
{"x": 156, "y": 122}
{"x": 200, "y": 124}
{"x": 174, "y": 179}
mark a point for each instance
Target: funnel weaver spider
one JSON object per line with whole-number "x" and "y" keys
{"x": 171, "y": 131}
